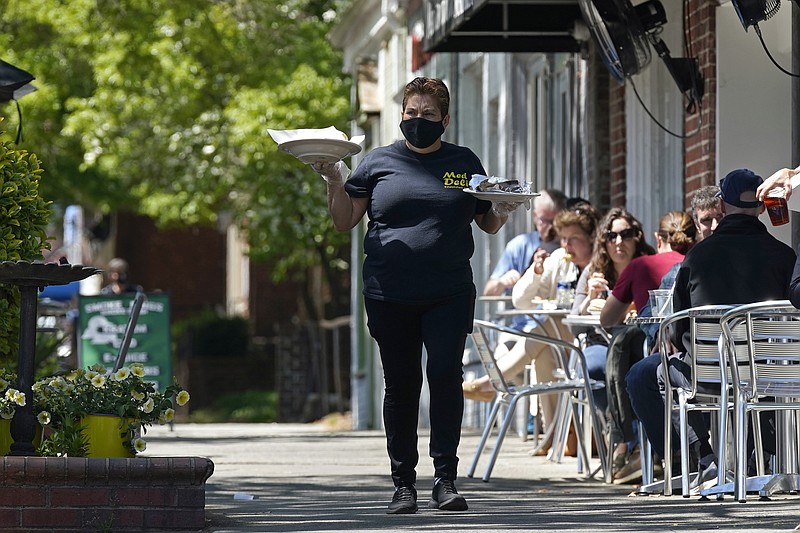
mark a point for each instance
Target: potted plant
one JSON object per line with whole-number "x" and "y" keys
{"x": 83, "y": 407}
{"x": 10, "y": 399}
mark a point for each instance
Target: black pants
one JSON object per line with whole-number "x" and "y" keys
{"x": 401, "y": 331}
{"x": 625, "y": 349}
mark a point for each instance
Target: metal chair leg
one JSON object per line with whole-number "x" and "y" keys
{"x": 512, "y": 405}
{"x": 487, "y": 430}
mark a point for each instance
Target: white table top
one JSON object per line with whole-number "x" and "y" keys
{"x": 496, "y": 298}
{"x": 538, "y": 311}
{"x": 582, "y": 320}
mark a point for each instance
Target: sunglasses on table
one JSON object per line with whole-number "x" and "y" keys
{"x": 626, "y": 234}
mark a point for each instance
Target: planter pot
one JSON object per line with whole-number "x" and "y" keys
{"x": 104, "y": 435}
{"x": 5, "y": 436}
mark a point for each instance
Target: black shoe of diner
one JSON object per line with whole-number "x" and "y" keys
{"x": 446, "y": 497}
{"x": 404, "y": 501}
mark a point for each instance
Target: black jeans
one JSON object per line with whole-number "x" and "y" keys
{"x": 626, "y": 348}
{"x": 645, "y": 382}
{"x": 401, "y": 330}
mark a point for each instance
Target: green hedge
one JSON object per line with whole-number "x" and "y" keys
{"x": 24, "y": 216}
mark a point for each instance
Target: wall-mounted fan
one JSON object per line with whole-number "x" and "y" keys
{"x": 751, "y": 12}
{"x": 622, "y": 33}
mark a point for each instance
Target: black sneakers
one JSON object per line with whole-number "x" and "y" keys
{"x": 404, "y": 501}
{"x": 446, "y": 497}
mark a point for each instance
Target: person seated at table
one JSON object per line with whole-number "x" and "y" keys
{"x": 576, "y": 228}
{"x": 706, "y": 214}
{"x": 676, "y": 234}
{"x": 739, "y": 263}
{"x": 520, "y": 252}
{"x": 619, "y": 240}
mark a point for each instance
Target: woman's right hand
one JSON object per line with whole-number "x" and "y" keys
{"x": 335, "y": 173}
{"x": 597, "y": 286}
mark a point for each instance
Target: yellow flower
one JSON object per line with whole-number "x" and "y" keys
{"x": 90, "y": 375}
{"x": 3, "y": 383}
{"x": 137, "y": 369}
{"x": 122, "y": 374}
{"x": 182, "y": 397}
{"x": 138, "y": 396}
{"x": 169, "y": 415}
{"x": 99, "y": 381}
{"x": 139, "y": 444}
{"x": 7, "y": 415}
{"x": 43, "y": 418}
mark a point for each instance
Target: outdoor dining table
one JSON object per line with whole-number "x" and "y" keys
{"x": 592, "y": 321}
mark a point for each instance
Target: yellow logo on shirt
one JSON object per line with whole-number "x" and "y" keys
{"x": 453, "y": 180}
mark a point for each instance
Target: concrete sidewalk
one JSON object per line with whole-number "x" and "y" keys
{"x": 310, "y": 478}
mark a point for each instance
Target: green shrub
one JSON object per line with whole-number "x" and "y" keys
{"x": 24, "y": 216}
{"x": 248, "y": 406}
{"x": 210, "y": 335}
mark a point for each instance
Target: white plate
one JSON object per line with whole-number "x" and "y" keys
{"x": 320, "y": 150}
{"x": 502, "y": 196}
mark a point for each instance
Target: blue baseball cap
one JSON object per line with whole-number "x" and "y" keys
{"x": 736, "y": 183}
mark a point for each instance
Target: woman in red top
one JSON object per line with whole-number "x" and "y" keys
{"x": 676, "y": 234}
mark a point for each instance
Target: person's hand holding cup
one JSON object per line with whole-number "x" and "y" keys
{"x": 776, "y": 206}
{"x": 597, "y": 286}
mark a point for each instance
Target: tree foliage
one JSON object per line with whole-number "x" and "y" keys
{"x": 162, "y": 107}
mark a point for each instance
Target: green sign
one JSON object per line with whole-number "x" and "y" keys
{"x": 101, "y": 327}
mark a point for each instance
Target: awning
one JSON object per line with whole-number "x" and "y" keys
{"x": 501, "y": 25}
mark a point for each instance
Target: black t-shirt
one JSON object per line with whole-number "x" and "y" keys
{"x": 419, "y": 236}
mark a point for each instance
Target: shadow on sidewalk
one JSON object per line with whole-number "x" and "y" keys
{"x": 359, "y": 503}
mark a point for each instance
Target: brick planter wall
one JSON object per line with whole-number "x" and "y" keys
{"x": 71, "y": 494}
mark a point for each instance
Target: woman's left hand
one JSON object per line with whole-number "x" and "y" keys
{"x": 503, "y": 209}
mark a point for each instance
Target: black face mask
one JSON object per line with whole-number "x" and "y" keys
{"x": 421, "y": 132}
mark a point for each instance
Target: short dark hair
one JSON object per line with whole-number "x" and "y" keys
{"x": 705, "y": 198}
{"x": 430, "y": 86}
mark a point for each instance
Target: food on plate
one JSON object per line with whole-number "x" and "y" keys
{"x": 495, "y": 183}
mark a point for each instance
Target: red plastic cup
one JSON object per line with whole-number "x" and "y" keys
{"x": 776, "y": 206}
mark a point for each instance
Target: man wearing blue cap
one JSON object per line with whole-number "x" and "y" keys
{"x": 739, "y": 263}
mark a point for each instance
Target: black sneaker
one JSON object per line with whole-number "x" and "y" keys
{"x": 446, "y": 497}
{"x": 404, "y": 501}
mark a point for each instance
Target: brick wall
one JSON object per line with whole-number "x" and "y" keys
{"x": 189, "y": 263}
{"x": 597, "y": 142}
{"x": 72, "y": 494}
{"x": 700, "y": 150}
{"x": 617, "y": 137}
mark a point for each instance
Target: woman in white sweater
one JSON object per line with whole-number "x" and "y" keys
{"x": 576, "y": 229}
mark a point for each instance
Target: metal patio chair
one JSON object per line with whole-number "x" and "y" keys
{"x": 765, "y": 376}
{"x": 576, "y": 386}
{"x": 707, "y": 391}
